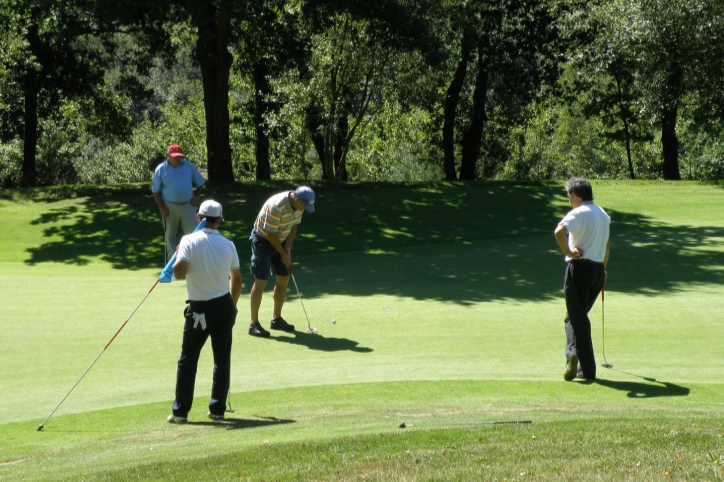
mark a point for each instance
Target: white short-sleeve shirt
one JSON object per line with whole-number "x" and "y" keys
{"x": 210, "y": 256}
{"x": 588, "y": 226}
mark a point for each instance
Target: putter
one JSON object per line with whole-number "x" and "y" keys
{"x": 40, "y": 427}
{"x": 165, "y": 246}
{"x": 603, "y": 329}
{"x": 309, "y": 327}
{"x": 228, "y": 402}
{"x": 496, "y": 422}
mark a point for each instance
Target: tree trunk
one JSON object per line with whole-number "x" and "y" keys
{"x": 314, "y": 123}
{"x": 29, "y": 174}
{"x": 341, "y": 145}
{"x": 624, "y": 113}
{"x": 215, "y": 61}
{"x": 669, "y": 140}
{"x": 261, "y": 94}
{"x": 452, "y": 98}
{"x": 628, "y": 148}
{"x": 473, "y": 137}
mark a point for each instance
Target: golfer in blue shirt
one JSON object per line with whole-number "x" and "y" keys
{"x": 173, "y": 186}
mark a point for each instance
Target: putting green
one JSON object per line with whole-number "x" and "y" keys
{"x": 447, "y": 301}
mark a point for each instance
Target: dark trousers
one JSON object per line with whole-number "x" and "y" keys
{"x": 583, "y": 282}
{"x": 220, "y": 316}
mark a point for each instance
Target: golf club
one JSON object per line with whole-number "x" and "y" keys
{"x": 228, "y": 395}
{"x": 309, "y": 327}
{"x": 228, "y": 402}
{"x": 496, "y": 422}
{"x": 40, "y": 427}
{"x": 603, "y": 329}
{"x": 165, "y": 246}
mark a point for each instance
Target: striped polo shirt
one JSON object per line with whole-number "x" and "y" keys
{"x": 277, "y": 216}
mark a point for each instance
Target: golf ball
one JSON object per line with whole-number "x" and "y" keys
{"x": 334, "y": 321}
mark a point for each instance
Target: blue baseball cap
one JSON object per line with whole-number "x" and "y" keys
{"x": 306, "y": 194}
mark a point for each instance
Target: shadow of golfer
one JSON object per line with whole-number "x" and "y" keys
{"x": 646, "y": 390}
{"x": 239, "y": 423}
{"x": 318, "y": 342}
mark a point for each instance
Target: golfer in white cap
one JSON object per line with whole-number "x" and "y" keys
{"x": 207, "y": 260}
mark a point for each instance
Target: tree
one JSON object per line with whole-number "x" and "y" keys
{"x": 55, "y": 64}
{"x": 213, "y": 22}
{"x": 352, "y": 76}
{"x": 604, "y": 74}
{"x": 270, "y": 44}
{"x": 678, "y": 44}
{"x": 355, "y": 45}
{"x": 510, "y": 45}
{"x": 60, "y": 52}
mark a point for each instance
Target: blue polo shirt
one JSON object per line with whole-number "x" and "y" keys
{"x": 176, "y": 184}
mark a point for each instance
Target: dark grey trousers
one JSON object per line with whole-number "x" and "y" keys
{"x": 220, "y": 318}
{"x": 583, "y": 282}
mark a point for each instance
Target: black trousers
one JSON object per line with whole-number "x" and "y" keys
{"x": 220, "y": 316}
{"x": 583, "y": 282}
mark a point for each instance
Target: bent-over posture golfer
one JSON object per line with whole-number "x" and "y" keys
{"x": 173, "y": 190}
{"x": 271, "y": 250}
{"x": 583, "y": 236}
{"x": 208, "y": 260}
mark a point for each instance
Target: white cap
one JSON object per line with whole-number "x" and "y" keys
{"x": 210, "y": 208}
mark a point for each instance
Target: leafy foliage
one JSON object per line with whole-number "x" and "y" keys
{"x": 353, "y": 90}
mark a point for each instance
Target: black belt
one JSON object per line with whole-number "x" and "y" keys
{"x": 584, "y": 260}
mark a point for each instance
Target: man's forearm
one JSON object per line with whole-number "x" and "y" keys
{"x": 561, "y": 235}
{"x": 274, "y": 240}
{"x": 158, "y": 199}
{"x": 235, "y": 276}
{"x": 290, "y": 239}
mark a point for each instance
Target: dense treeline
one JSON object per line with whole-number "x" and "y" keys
{"x": 92, "y": 91}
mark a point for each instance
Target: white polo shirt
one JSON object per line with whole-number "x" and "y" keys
{"x": 588, "y": 227}
{"x": 210, "y": 256}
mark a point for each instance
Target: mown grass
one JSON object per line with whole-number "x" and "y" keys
{"x": 448, "y": 307}
{"x": 592, "y": 449}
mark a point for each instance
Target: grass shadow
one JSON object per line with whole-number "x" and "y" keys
{"x": 454, "y": 242}
{"x": 241, "y": 423}
{"x": 647, "y": 258}
{"x": 321, "y": 343}
{"x": 645, "y": 390}
{"x": 123, "y": 227}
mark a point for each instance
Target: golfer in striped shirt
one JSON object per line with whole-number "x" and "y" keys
{"x": 271, "y": 252}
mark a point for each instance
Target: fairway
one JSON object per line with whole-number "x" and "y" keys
{"x": 448, "y": 308}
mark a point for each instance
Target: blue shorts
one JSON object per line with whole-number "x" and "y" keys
{"x": 265, "y": 259}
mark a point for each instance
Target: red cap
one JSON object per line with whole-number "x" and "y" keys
{"x": 174, "y": 150}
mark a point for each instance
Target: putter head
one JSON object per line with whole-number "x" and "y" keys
{"x": 607, "y": 365}
{"x": 311, "y": 330}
